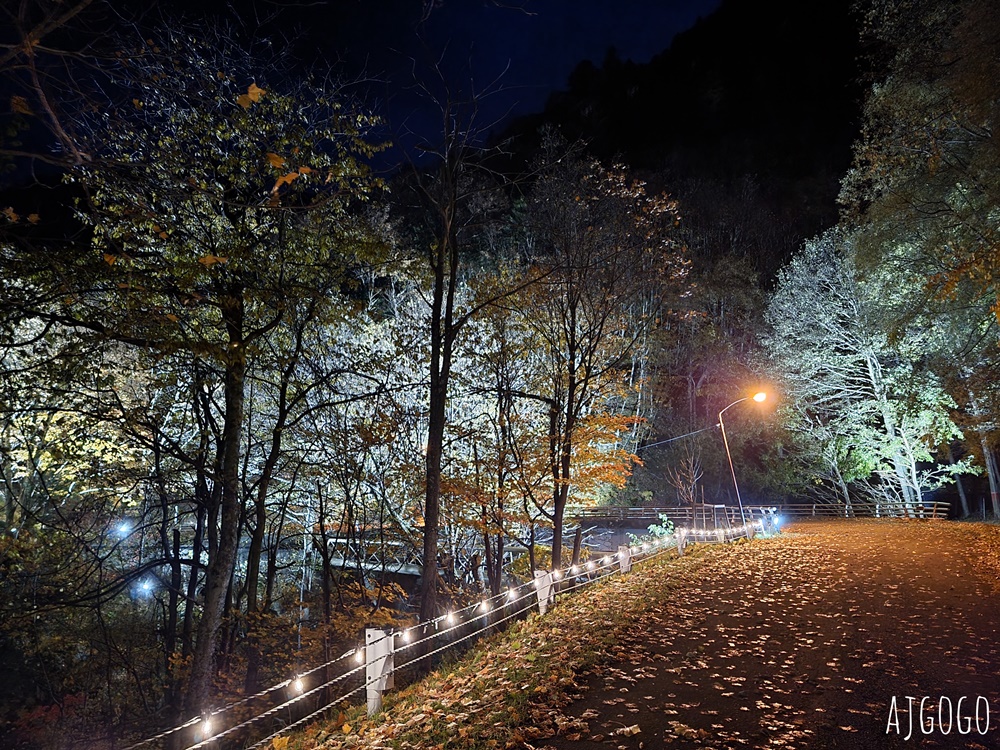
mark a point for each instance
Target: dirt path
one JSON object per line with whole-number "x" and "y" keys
{"x": 804, "y": 641}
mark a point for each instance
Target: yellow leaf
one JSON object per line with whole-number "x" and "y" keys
{"x": 244, "y": 101}
{"x": 34, "y": 218}
{"x": 279, "y": 743}
{"x": 305, "y": 170}
{"x": 276, "y": 161}
{"x": 10, "y": 214}
{"x": 211, "y": 260}
{"x": 109, "y": 259}
{"x": 346, "y": 728}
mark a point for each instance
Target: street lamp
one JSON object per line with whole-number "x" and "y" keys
{"x": 758, "y": 397}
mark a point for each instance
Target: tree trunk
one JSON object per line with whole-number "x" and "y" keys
{"x": 962, "y": 497}
{"x": 990, "y": 459}
{"x": 221, "y": 565}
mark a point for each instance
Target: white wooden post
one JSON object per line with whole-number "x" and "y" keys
{"x": 625, "y": 558}
{"x": 681, "y": 541}
{"x": 544, "y": 590}
{"x": 379, "y": 647}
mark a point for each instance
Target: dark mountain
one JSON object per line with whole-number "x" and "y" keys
{"x": 748, "y": 119}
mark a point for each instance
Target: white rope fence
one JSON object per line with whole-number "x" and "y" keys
{"x": 370, "y": 668}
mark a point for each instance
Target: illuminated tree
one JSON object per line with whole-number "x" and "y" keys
{"x": 874, "y": 412}
{"x": 609, "y": 263}
{"x": 220, "y": 209}
{"x": 922, "y": 195}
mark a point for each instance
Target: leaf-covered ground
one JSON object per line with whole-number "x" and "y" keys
{"x": 796, "y": 642}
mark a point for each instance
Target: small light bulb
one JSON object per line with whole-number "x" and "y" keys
{"x": 451, "y": 618}
{"x": 590, "y": 566}
{"x": 605, "y": 560}
{"x": 206, "y": 727}
{"x": 359, "y": 655}
{"x": 297, "y": 685}
{"x": 557, "y": 574}
{"x": 512, "y": 594}
{"x": 484, "y": 606}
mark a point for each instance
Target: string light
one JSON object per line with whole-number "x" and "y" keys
{"x": 359, "y": 655}
{"x": 297, "y": 685}
{"x": 206, "y": 727}
{"x": 484, "y": 606}
{"x": 574, "y": 569}
{"x": 590, "y": 566}
{"x": 556, "y": 574}
{"x": 450, "y": 618}
{"x": 512, "y": 594}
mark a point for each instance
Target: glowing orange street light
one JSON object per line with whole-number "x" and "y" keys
{"x": 758, "y": 397}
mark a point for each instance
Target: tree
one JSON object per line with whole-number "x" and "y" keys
{"x": 216, "y": 203}
{"x": 873, "y": 410}
{"x": 610, "y": 264}
{"x": 922, "y": 194}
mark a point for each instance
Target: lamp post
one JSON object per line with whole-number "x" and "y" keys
{"x": 758, "y": 397}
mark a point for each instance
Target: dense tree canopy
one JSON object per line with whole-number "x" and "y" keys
{"x": 245, "y": 382}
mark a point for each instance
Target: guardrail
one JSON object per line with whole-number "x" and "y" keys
{"x": 369, "y": 669}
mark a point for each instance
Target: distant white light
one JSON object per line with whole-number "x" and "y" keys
{"x": 123, "y": 529}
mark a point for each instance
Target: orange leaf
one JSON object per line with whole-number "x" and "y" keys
{"x": 211, "y": 260}
{"x": 109, "y": 259}
{"x": 276, "y": 161}
{"x": 20, "y": 105}
{"x": 286, "y": 180}
{"x": 255, "y": 92}
{"x": 34, "y": 218}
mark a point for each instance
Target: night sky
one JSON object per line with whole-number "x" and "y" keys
{"x": 528, "y": 47}
{"x": 534, "y": 44}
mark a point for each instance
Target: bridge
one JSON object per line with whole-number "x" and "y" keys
{"x": 603, "y": 529}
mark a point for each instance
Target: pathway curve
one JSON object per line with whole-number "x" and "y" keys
{"x": 805, "y": 641}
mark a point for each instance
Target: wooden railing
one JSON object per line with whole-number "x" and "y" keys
{"x": 699, "y": 513}
{"x": 868, "y": 510}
